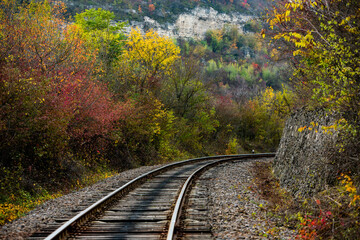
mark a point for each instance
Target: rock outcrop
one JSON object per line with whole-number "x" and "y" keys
{"x": 301, "y": 161}
{"x": 193, "y": 24}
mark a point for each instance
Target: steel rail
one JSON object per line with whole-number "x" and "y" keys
{"x": 64, "y": 230}
{"x": 181, "y": 198}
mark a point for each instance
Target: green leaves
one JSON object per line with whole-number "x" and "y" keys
{"x": 103, "y": 36}
{"x": 93, "y": 19}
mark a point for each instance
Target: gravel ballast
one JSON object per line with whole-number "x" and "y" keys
{"x": 235, "y": 212}
{"x": 60, "y": 207}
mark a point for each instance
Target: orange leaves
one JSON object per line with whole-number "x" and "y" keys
{"x": 313, "y": 126}
{"x": 151, "y": 7}
{"x": 43, "y": 40}
{"x": 348, "y": 186}
{"x": 336, "y": 215}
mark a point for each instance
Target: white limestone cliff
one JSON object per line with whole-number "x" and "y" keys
{"x": 193, "y": 24}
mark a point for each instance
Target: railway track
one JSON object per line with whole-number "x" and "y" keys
{"x": 162, "y": 204}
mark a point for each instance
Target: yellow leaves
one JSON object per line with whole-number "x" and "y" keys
{"x": 281, "y": 18}
{"x": 356, "y": 198}
{"x": 263, "y": 33}
{"x": 151, "y": 49}
{"x": 313, "y": 126}
{"x": 158, "y": 115}
{"x": 232, "y": 146}
{"x": 325, "y": 44}
{"x": 349, "y": 187}
{"x": 40, "y": 100}
{"x": 296, "y": 35}
{"x": 9, "y": 58}
{"x": 302, "y": 42}
{"x": 274, "y": 54}
{"x": 218, "y": 35}
{"x": 10, "y": 211}
{"x": 268, "y": 95}
{"x": 302, "y": 129}
{"x": 298, "y": 52}
{"x": 148, "y": 57}
{"x": 287, "y": 13}
{"x": 276, "y": 103}
{"x": 329, "y": 129}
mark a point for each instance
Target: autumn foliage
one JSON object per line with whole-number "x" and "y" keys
{"x": 321, "y": 40}
{"x": 146, "y": 60}
{"x": 50, "y": 103}
{"x": 79, "y": 98}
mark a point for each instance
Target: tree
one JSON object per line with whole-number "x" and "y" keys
{"x": 49, "y": 102}
{"x": 185, "y": 94}
{"x": 263, "y": 118}
{"x": 183, "y": 90}
{"x": 102, "y": 36}
{"x": 214, "y": 38}
{"x": 146, "y": 60}
{"x": 322, "y": 39}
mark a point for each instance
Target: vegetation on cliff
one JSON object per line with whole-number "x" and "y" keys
{"x": 321, "y": 40}
{"x": 163, "y": 10}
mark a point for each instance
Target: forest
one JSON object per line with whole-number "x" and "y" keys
{"x": 82, "y": 101}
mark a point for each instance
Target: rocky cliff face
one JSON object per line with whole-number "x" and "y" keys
{"x": 301, "y": 163}
{"x": 193, "y": 24}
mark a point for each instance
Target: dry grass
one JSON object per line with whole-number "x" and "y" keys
{"x": 280, "y": 202}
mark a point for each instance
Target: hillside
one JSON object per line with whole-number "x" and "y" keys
{"x": 185, "y": 19}
{"x": 163, "y": 11}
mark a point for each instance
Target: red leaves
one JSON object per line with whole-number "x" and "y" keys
{"x": 257, "y": 68}
{"x": 245, "y": 4}
{"x": 95, "y": 112}
{"x": 313, "y": 226}
{"x": 46, "y": 80}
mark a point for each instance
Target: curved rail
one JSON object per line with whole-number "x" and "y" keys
{"x": 181, "y": 198}
{"x": 85, "y": 215}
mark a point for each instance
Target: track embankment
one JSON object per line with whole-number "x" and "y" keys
{"x": 218, "y": 205}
